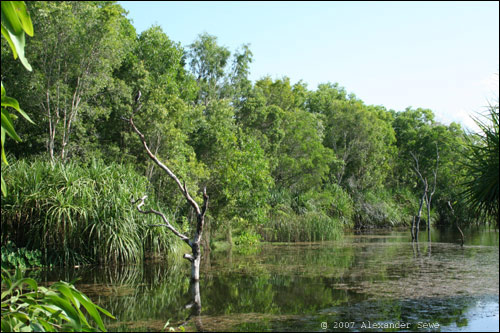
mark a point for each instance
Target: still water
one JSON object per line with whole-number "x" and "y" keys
{"x": 370, "y": 282}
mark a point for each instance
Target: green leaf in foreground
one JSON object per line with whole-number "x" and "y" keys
{"x": 51, "y": 309}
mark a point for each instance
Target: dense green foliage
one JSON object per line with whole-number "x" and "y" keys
{"x": 277, "y": 159}
{"x": 14, "y": 257}
{"x": 79, "y": 213}
{"x": 53, "y": 309}
{"x": 16, "y": 21}
{"x": 482, "y": 191}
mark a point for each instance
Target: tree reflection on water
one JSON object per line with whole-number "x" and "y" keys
{"x": 376, "y": 278}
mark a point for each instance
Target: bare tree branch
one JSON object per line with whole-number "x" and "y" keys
{"x": 167, "y": 224}
{"x": 182, "y": 188}
{"x": 417, "y": 168}
{"x": 188, "y": 257}
{"x": 205, "y": 201}
{"x": 195, "y": 257}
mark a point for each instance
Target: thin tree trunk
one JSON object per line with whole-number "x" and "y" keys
{"x": 429, "y": 196}
{"x": 462, "y": 240}
{"x": 68, "y": 120}
{"x": 52, "y": 126}
{"x": 419, "y": 216}
{"x": 429, "y": 219}
{"x": 195, "y": 256}
{"x": 413, "y": 229}
{"x": 424, "y": 195}
{"x": 229, "y": 235}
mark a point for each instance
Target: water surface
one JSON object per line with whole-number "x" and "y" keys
{"x": 371, "y": 282}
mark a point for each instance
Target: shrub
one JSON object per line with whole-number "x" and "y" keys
{"x": 312, "y": 216}
{"x": 13, "y": 257}
{"x": 384, "y": 208}
{"x": 79, "y": 213}
{"x": 287, "y": 226}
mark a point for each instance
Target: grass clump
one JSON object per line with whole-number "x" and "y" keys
{"x": 79, "y": 213}
{"x": 383, "y": 208}
{"x": 313, "y": 216}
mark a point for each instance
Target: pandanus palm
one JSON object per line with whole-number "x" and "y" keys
{"x": 481, "y": 193}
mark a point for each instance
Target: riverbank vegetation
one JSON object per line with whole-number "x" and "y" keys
{"x": 280, "y": 161}
{"x": 80, "y": 213}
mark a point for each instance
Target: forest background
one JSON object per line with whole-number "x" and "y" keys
{"x": 280, "y": 162}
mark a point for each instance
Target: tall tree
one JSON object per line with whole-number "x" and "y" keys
{"x": 194, "y": 243}
{"x": 361, "y": 137}
{"x": 275, "y": 114}
{"x": 78, "y": 46}
{"x": 418, "y": 134}
{"x": 239, "y": 85}
{"x": 239, "y": 176}
{"x": 208, "y": 63}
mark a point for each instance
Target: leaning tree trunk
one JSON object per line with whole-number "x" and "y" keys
{"x": 462, "y": 239}
{"x": 429, "y": 200}
{"x": 194, "y": 244}
{"x": 413, "y": 229}
{"x": 419, "y": 216}
{"x": 429, "y": 196}
{"x": 426, "y": 196}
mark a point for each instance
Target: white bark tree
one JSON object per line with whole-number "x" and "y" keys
{"x": 426, "y": 196}
{"x": 194, "y": 243}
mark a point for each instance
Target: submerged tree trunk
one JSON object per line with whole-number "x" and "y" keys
{"x": 429, "y": 196}
{"x": 416, "y": 249}
{"x": 195, "y": 256}
{"x": 195, "y": 306}
{"x": 419, "y": 216}
{"x": 429, "y": 217}
{"x": 196, "y": 297}
{"x": 230, "y": 235}
{"x": 429, "y": 220}
{"x": 461, "y": 233}
{"x": 462, "y": 240}
{"x": 426, "y": 195}
{"x": 413, "y": 229}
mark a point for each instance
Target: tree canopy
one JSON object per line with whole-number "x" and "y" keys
{"x": 273, "y": 155}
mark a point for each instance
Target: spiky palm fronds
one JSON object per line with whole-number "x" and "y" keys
{"x": 481, "y": 193}
{"x": 79, "y": 213}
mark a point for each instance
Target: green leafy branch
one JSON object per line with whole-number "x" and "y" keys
{"x": 15, "y": 23}
{"x": 41, "y": 309}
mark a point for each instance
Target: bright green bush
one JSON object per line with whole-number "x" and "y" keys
{"x": 79, "y": 213}
{"x": 341, "y": 206}
{"x": 247, "y": 242}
